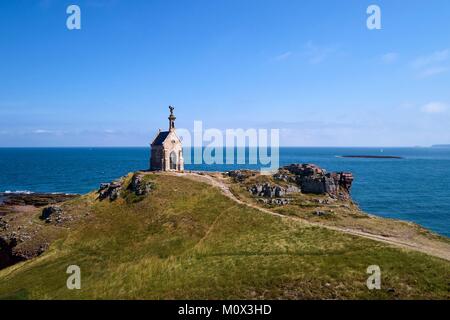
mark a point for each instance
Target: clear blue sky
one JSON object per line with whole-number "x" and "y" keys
{"x": 310, "y": 68}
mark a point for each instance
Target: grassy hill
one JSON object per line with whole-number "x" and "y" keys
{"x": 186, "y": 240}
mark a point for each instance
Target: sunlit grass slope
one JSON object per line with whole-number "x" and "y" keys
{"x": 185, "y": 240}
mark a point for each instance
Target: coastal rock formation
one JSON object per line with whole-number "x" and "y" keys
{"x": 313, "y": 179}
{"x": 304, "y": 169}
{"x": 139, "y": 186}
{"x": 241, "y": 175}
{"x": 305, "y": 178}
{"x": 346, "y": 180}
{"x": 272, "y": 191}
{"x": 109, "y": 191}
{"x": 284, "y": 175}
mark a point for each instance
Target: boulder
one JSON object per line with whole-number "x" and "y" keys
{"x": 267, "y": 190}
{"x": 139, "y": 186}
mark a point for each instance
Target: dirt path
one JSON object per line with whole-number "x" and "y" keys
{"x": 442, "y": 250}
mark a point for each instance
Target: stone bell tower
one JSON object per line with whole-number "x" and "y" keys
{"x": 171, "y": 119}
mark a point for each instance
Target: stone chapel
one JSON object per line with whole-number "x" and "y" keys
{"x": 166, "y": 149}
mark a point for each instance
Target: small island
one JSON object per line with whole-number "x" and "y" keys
{"x": 441, "y": 146}
{"x": 371, "y": 157}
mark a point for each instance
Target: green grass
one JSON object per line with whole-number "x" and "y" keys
{"x": 186, "y": 240}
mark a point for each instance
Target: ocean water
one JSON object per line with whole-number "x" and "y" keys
{"x": 415, "y": 188}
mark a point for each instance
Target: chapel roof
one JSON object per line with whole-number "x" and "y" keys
{"x": 160, "y": 138}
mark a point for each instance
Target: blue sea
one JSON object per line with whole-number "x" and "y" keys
{"x": 415, "y": 188}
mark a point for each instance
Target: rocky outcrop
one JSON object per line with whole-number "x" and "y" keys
{"x": 276, "y": 201}
{"x": 346, "y": 180}
{"x": 139, "y": 186}
{"x": 273, "y": 194}
{"x": 284, "y": 175}
{"x": 272, "y": 191}
{"x": 49, "y": 212}
{"x": 313, "y": 179}
{"x": 305, "y": 178}
{"x": 241, "y": 175}
{"x": 109, "y": 191}
{"x": 55, "y": 214}
{"x": 304, "y": 169}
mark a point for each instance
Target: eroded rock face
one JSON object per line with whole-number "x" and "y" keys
{"x": 346, "y": 180}
{"x": 139, "y": 186}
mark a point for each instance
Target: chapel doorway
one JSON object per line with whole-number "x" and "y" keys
{"x": 173, "y": 161}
